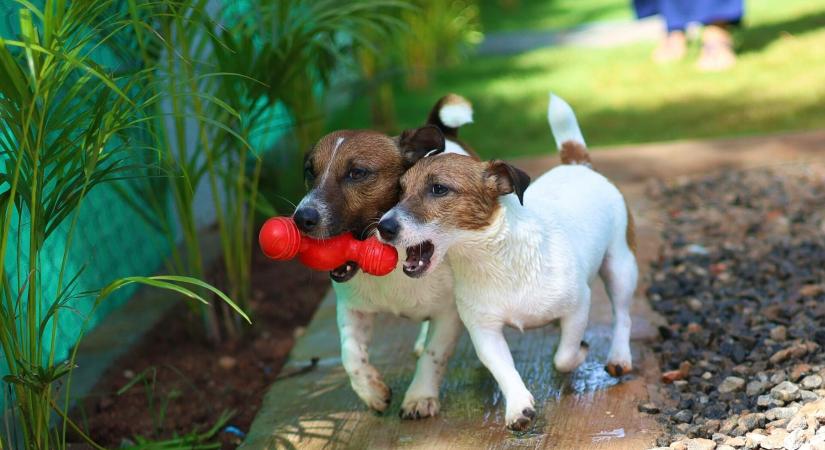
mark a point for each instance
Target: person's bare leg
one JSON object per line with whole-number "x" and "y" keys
{"x": 717, "y": 49}
{"x": 672, "y": 47}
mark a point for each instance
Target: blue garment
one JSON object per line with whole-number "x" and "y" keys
{"x": 678, "y": 13}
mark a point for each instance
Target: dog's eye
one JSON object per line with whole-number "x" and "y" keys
{"x": 356, "y": 173}
{"x": 309, "y": 175}
{"x": 439, "y": 190}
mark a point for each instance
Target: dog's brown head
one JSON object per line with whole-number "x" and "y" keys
{"x": 443, "y": 197}
{"x": 353, "y": 177}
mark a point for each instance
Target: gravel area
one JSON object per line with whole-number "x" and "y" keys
{"x": 741, "y": 281}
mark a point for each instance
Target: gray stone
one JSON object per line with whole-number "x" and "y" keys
{"x": 778, "y": 377}
{"x": 754, "y": 439}
{"x": 781, "y": 413}
{"x": 751, "y": 421}
{"x": 766, "y": 401}
{"x": 775, "y": 441}
{"x": 755, "y": 387}
{"x": 683, "y": 428}
{"x": 797, "y": 422}
{"x": 811, "y": 382}
{"x": 807, "y": 396}
{"x": 700, "y": 444}
{"x": 785, "y": 391}
{"x": 738, "y": 441}
{"x": 683, "y": 416}
{"x": 727, "y": 426}
{"x": 793, "y": 440}
{"x": 731, "y": 384}
{"x": 695, "y": 304}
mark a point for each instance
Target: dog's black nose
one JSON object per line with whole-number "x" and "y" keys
{"x": 306, "y": 219}
{"x": 388, "y": 228}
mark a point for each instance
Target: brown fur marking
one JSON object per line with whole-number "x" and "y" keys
{"x": 574, "y": 153}
{"x": 356, "y": 204}
{"x": 630, "y": 233}
{"x": 472, "y": 201}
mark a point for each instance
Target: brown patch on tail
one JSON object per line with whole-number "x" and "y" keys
{"x": 630, "y": 233}
{"x": 574, "y": 153}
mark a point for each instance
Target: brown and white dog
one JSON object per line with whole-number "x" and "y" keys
{"x": 354, "y": 177}
{"x": 522, "y": 257}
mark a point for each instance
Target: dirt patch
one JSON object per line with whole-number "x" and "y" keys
{"x": 190, "y": 383}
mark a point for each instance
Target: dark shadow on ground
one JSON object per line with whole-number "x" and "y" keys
{"x": 756, "y": 38}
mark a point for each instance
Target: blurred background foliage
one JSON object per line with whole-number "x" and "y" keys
{"x": 620, "y": 95}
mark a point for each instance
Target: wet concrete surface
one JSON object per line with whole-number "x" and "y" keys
{"x": 586, "y": 409}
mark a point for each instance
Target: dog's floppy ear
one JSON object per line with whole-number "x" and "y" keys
{"x": 417, "y": 143}
{"x": 508, "y": 179}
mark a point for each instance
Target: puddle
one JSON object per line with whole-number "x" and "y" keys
{"x": 604, "y": 436}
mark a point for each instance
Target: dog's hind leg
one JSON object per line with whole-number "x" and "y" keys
{"x": 421, "y": 399}
{"x": 572, "y": 350}
{"x": 355, "y": 328}
{"x": 619, "y": 274}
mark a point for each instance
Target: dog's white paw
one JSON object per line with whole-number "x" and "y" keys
{"x": 520, "y": 413}
{"x": 619, "y": 360}
{"x": 569, "y": 361}
{"x": 419, "y": 407}
{"x": 369, "y": 386}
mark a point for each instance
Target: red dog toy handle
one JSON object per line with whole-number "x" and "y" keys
{"x": 280, "y": 240}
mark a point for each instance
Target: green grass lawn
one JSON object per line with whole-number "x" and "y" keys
{"x": 621, "y": 97}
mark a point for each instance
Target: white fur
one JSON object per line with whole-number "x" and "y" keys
{"x": 535, "y": 264}
{"x": 456, "y": 115}
{"x": 452, "y": 147}
{"x": 430, "y": 298}
{"x": 563, "y": 122}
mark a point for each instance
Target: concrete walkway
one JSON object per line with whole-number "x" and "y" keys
{"x": 587, "y": 409}
{"x": 597, "y": 34}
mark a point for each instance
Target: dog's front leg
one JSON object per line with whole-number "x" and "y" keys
{"x": 421, "y": 399}
{"x": 355, "y": 328}
{"x": 492, "y": 350}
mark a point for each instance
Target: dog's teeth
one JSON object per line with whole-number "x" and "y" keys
{"x": 349, "y": 268}
{"x": 420, "y": 263}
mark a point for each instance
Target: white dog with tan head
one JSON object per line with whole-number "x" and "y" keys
{"x": 522, "y": 256}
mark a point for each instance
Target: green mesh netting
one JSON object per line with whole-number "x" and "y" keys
{"x": 110, "y": 241}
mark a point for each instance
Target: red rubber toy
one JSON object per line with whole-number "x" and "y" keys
{"x": 280, "y": 240}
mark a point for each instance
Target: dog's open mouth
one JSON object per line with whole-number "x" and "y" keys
{"x": 418, "y": 259}
{"x": 344, "y": 273}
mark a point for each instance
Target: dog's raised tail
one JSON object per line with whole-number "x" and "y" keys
{"x": 567, "y": 133}
{"x": 450, "y": 113}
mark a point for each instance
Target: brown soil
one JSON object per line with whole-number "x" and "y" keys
{"x": 199, "y": 380}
